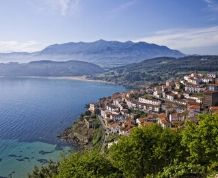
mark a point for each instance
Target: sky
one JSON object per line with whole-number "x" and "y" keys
{"x": 190, "y": 26}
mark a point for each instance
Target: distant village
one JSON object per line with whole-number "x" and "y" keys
{"x": 168, "y": 104}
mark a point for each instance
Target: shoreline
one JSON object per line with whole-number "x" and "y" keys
{"x": 79, "y": 78}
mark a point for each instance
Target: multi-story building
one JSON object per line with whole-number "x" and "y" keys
{"x": 211, "y": 96}
{"x": 210, "y": 99}
{"x": 149, "y": 101}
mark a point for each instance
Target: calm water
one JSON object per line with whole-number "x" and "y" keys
{"x": 33, "y": 112}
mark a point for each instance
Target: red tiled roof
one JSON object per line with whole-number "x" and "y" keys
{"x": 194, "y": 106}
{"x": 214, "y": 109}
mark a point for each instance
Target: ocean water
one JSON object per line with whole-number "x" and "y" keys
{"x": 33, "y": 112}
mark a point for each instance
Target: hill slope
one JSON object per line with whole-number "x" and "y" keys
{"x": 104, "y": 53}
{"x": 159, "y": 69}
{"x": 49, "y": 68}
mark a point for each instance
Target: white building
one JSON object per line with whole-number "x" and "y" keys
{"x": 149, "y": 101}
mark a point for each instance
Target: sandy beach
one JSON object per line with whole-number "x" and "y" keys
{"x": 81, "y": 78}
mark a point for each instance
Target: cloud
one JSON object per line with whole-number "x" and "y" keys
{"x": 16, "y": 46}
{"x": 120, "y": 8}
{"x": 125, "y": 6}
{"x": 212, "y": 9}
{"x": 63, "y": 7}
{"x": 185, "y": 38}
{"x": 212, "y": 5}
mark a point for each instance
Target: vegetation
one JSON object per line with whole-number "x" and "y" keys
{"x": 97, "y": 137}
{"x": 47, "y": 171}
{"x": 88, "y": 164}
{"x": 49, "y": 69}
{"x": 86, "y": 132}
{"x": 151, "y": 151}
{"x": 159, "y": 69}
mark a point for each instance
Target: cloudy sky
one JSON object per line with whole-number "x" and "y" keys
{"x": 188, "y": 25}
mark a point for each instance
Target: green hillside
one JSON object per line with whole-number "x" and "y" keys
{"x": 148, "y": 152}
{"x": 159, "y": 69}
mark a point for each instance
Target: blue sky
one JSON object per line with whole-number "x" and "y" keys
{"x": 188, "y": 25}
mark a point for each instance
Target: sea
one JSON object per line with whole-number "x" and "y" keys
{"x": 33, "y": 112}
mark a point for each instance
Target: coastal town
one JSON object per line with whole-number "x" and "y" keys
{"x": 168, "y": 104}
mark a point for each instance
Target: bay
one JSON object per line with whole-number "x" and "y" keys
{"x": 33, "y": 111}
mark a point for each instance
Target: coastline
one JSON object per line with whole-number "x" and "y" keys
{"x": 66, "y": 136}
{"x": 80, "y": 78}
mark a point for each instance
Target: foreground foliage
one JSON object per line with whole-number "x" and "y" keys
{"x": 48, "y": 171}
{"x": 87, "y": 164}
{"x": 151, "y": 152}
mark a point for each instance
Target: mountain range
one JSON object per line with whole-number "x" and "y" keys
{"x": 106, "y": 54}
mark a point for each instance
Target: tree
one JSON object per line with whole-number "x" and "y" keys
{"x": 145, "y": 151}
{"x": 182, "y": 170}
{"x": 149, "y": 151}
{"x": 88, "y": 164}
{"x": 48, "y": 171}
{"x": 201, "y": 140}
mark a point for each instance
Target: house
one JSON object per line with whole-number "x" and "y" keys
{"x": 211, "y": 75}
{"x": 216, "y": 81}
{"x": 112, "y": 108}
{"x": 140, "y": 121}
{"x": 214, "y": 109}
{"x": 154, "y": 108}
{"x": 125, "y": 113}
{"x": 149, "y": 101}
{"x": 127, "y": 126}
{"x": 120, "y": 103}
{"x": 177, "y": 117}
{"x": 170, "y": 96}
{"x": 213, "y": 87}
{"x": 131, "y": 104}
{"x": 114, "y": 127}
{"x": 148, "y": 107}
{"x": 210, "y": 99}
{"x": 207, "y": 80}
{"x": 180, "y": 109}
{"x": 157, "y": 92}
{"x": 193, "y": 110}
{"x": 193, "y": 78}
{"x": 180, "y": 101}
{"x": 92, "y": 108}
{"x": 194, "y": 89}
{"x": 116, "y": 116}
{"x": 163, "y": 121}
{"x": 197, "y": 98}
{"x": 148, "y": 120}
{"x": 104, "y": 113}
{"x": 177, "y": 85}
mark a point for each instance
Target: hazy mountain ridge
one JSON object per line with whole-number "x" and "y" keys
{"x": 104, "y": 53}
{"x": 102, "y": 46}
{"x": 49, "y": 68}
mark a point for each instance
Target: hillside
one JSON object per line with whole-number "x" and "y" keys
{"x": 104, "y": 53}
{"x": 49, "y": 68}
{"x": 159, "y": 69}
{"x": 148, "y": 151}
